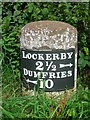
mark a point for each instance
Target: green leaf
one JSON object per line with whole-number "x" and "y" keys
{"x": 87, "y": 58}
{"x": 16, "y": 6}
{"x": 82, "y": 63}
{"x": 30, "y": 7}
{"x": 88, "y": 63}
{"x": 16, "y": 13}
{"x": 6, "y": 23}
{"x": 37, "y": 10}
{"x": 81, "y": 55}
{"x": 45, "y": 11}
{"x": 86, "y": 50}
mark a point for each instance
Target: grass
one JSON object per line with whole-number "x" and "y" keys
{"x": 16, "y": 106}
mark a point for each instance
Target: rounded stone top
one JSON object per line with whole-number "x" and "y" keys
{"x": 48, "y": 35}
{"x": 52, "y": 25}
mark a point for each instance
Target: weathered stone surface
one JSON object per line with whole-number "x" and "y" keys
{"x": 44, "y": 35}
{"x": 49, "y": 35}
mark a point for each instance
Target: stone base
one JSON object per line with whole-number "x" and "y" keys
{"x": 58, "y": 95}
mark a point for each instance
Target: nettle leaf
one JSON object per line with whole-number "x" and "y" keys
{"x": 74, "y": 19}
{"x": 81, "y": 63}
{"x": 86, "y": 50}
{"x": 30, "y": 7}
{"x": 45, "y": 11}
{"x": 59, "y": 5}
{"x": 88, "y": 64}
{"x": 87, "y": 58}
{"x": 16, "y": 6}
{"x": 16, "y": 13}
{"x": 81, "y": 55}
{"x": 38, "y": 10}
